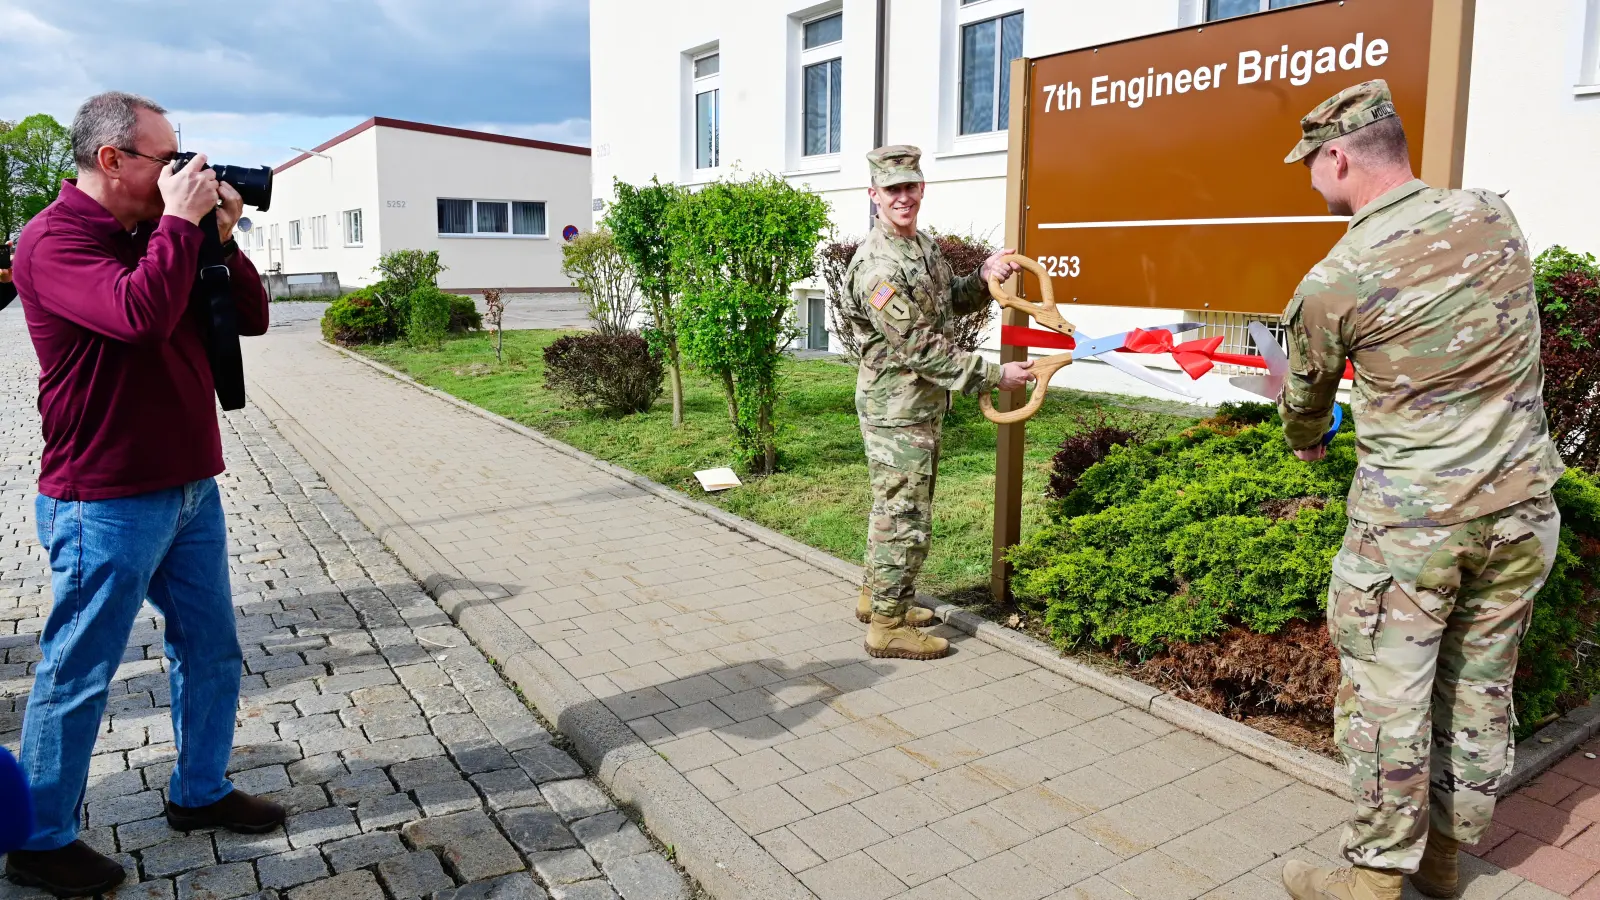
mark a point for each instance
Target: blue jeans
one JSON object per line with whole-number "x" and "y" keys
{"x": 106, "y": 557}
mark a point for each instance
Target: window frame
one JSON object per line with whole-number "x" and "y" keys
{"x": 1589, "y": 58}
{"x": 971, "y": 15}
{"x": 1261, "y": 6}
{"x": 698, "y": 86}
{"x": 822, "y": 55}
{"x": 511, "y": 223}
{"x": 353, "y": 237}
{"x": 294, "y": 234}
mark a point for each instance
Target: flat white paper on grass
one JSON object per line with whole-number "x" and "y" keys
{"x": 717, "y": 479}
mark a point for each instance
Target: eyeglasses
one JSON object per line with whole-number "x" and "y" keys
{"x": 164, "y": 160}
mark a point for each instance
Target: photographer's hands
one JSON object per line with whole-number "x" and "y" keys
{"x": 229, "y": 212}
{"x": 192, "y": 192}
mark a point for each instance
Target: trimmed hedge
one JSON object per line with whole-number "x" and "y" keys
{"x": 1174, "y": 552}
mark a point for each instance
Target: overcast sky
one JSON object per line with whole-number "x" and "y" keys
{"x": 247, "y": 81}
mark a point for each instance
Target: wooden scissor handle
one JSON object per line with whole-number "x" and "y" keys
{"x": 1044, "y": 370}
{"x": 1044, "y": 312}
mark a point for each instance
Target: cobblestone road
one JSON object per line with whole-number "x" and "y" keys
{"x": 409, "y": 768}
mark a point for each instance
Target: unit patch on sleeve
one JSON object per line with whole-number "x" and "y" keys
{"x": 882, "y": 295}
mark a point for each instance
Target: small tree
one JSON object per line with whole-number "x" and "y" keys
{"x": 602, "y": 273}
{"x": 1567, "y": 286}
{"x": 638, "y": 222}
{"x": 407, "y": 270}
{"x": 10, "y": 209}
{"x": 496, "y": 317}
{"x": 737, "y": 249}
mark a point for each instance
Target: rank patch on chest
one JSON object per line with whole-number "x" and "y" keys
{"x": 882, "y": 295}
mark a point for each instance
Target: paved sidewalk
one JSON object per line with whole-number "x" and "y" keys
{"x": 980, "y": 775}
{"x": 1549, "y": 831}
{"x": 409, "y": 768}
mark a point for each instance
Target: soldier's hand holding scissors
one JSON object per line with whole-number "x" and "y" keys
{"x": 996, "y": 266}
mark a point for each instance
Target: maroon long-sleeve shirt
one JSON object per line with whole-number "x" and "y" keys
{"x": 125, "y": 390}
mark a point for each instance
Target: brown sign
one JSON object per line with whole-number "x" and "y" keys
{"x": 1154, "y": 171}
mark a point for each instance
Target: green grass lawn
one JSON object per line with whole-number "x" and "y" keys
{"x": 820, "y": 496}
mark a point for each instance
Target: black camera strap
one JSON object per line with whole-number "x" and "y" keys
{"x": 214, "y": 290}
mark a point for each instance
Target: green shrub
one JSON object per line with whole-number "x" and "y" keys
{"x": 1567, "y": 285}
{"x": 464, "y": 315}
{"x": 356, "y": 318}
{"x": 430, "y": 317}
{"x": 615, "y": 373}
{"x": 407, "y": 270}
{"x": 1180, "y": 543}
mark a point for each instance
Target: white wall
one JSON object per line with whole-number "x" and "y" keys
{"x": 1530, "y": 129}
{"x": 417, "y": 168}
{"x": 346, "y": 179}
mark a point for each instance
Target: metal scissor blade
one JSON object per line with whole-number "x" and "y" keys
{"x": 1140, "y": 372}
{"x": 1277, "y": 361}
{"x": 1088, "y": 348}
{"x": 1266, "y": 386}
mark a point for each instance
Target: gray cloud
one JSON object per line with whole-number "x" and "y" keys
{"x": 442, "y": 61}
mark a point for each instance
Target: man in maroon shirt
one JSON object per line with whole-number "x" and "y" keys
{"x": 128, "y": 507}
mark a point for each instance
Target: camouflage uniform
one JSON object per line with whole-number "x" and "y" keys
{"x": 903, "y": 300}
{"x": 1452, "y": 528}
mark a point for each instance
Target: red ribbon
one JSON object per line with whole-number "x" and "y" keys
{"x": 1018, "y": 336}
{"x": 1195, "y": 357}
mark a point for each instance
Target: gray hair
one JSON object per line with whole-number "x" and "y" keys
{"x": 106, "y": 120}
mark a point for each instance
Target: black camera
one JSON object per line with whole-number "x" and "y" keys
{"x": 254, "y": 185}
{"x": 5, "y": 254}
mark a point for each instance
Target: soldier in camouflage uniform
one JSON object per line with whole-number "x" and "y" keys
{"x": 902, "y": 303}
{"x": 1452, "y": 527}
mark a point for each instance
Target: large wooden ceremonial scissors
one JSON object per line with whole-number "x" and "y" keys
{"x": 1045, "y": 314}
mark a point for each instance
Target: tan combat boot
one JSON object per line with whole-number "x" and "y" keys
{"x": 1438, "y": 876}
{"x": 915, "y": 615}
{"x": 896, "y": 639}
{"x": 1307, "y": 882}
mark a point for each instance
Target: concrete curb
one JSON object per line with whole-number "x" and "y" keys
{"x": 726, "y": 861}
{"x": 1534, "y": 754}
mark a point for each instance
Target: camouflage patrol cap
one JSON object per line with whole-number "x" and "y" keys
{"x": 1350, "y": 109}
{"x": 895, "y": 164}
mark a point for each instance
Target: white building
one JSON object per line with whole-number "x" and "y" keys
{"x": 793, "y": 86}
{"x": 495, "y": 207}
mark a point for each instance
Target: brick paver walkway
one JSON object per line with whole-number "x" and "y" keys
{"x": 409, "y": 768}
{"x": 1549, "y": 831}
{"x": 979, "y": 776}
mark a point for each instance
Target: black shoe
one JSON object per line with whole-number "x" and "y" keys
{"x": 238, "y": 812}
{"x": 75, "y": 870}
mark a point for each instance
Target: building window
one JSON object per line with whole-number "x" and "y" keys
{"x": 1227, "y": 9}
{"x": 822, "y": 87}
{"x": 491, "y": 218}
{"x": 352, "y": 228}
{"x": 987, "y": 49}
{"x": 294, "y": 234}
{"x": 318, "y": 226}
{"x": 1590, "y": 76}
{"x": 708, "y": 111}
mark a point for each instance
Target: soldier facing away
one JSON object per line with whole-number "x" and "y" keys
{"x": 1452, "y": 527}
{"x": 902, "y": 303}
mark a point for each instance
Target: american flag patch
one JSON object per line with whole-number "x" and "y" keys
{"x": 882, "y": 295}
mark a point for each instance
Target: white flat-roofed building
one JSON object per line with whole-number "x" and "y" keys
{"x": 495, "y": 207}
